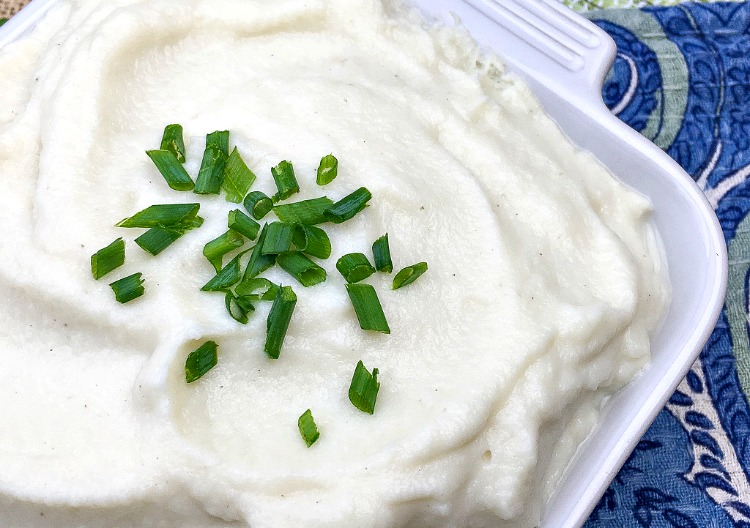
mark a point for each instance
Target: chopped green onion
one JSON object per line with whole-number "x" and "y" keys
{"x": 367, "y": 307}
{"x": 220, "y": 246}
{"x": 307, "y": 428}
{"x": 200, "y": 361}
{"x": 157, "y": 239}
{"x": 308, "y": 212}
{"x": 248, "y": 288}
{"x": 108, "y": 258}
{"x": 278, "y": 321}
{"x": 171, "y": 169}
{"x": 258, "y": 261}
{"x": 381, "y": 251}
{"x": 238, "y": 307}
{"x": 327, "y": 170}
{"x": 219, "y": 140}
{"x": 173, "y": 141}
{"x": 279, "y": 238}
{"x": 240, "y": 222}
{"x": 312, "y": 240}
{"x": 128, "y": 288}
{"x": 258, "y": 204}
{"x": 354, "y": 267}
{"x": 164, "y": 215}
{"x": 408, "y": 275}
{"x": 211, "y": 173}
{"x": 237, "y": 178}
{"x": 301, "y": 268}
{"x": 227, "y": 277}
{"x": 286, "y": 181}
{"x": 3, "y": 21}
{"x": 348, "y": 206}
{"x": 363, "y": 391}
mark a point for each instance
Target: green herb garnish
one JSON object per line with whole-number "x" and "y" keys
{"x": 200, "y": 361}
{"x": 312, "y": 240}
{"x": 157, "y": 239}
{"x": 301, "y": 268}
{"x": 408, "y": 275}
{"x": 238, "y": 307}
{"x": 381, "y": 251}
{"x": 108, "y": 259}
{"x": 220, "y": 140}
{"x": 349, "y": 206}
{"x": 257, "y": 289}
{"x": 307, "y": 428}
{"x": 171, "y": 169}
{"x": 128, "y": 288}
{"x": 240, "y": 222}
{"x": 215, "y": 250}
{"x": 308, "y": 212}
{"x": 279, "y": 238}
{"x": 367, "y": 307}
{"x": 354, "y": 267}
{"x": 327, "y": 170}
{"x": 363, "y": 391}
{"x": 165, "y": 215}
{"x": 258, "y": 204}
{"x": 286, "y": 181}
{"x": 227, "y": 276}
{"x": 211, "y": 173}
{"x": 237, "y": 178}
{"x": 278, "y": 321}
{"x": 258, "y": 261}
{"x": 172, "y": 140}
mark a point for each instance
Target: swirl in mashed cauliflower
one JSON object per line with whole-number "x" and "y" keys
{"x": 545, "y": 280}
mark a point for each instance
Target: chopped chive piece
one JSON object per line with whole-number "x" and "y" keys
{"x": 307, "y": 428}
{"x": 354, "y": 267}
{"x": 312, "y": 240}
{"x": 200, "y": 361}
{"x": 237, "y": 178}
{"x": 279, "y": 238}
{"x": 238, "y": 307}
{"x": 308, "y": 212}
{"x": 258, "y": 261}
{"x": 258, "y": 204}
{"x": 157, "y": 239}
{"x": 348, "y": 206}
{"x": 367, "y": 307}
{"x": 108, "y": 258}
{"x": 172, "y": 170}
{"x": 408, "y": 275}
{"x": 301, "y": 268}
{"x": 381, "y": 251}
{"x": 211, "y": 173}
{"x": 248, "y": 288}
{"x": 219, "y": 140}
{"x": 327, "y": 170}
{"x": 286, "y": 181}
{"x": 128, "y": 288}
{"x": 173, "y": 141}
{"x": 278, "y": 321}
{"x": 227, "y": 277}
{"x": 220, "y": 246}
{"x": 240, "y": 222}
{"x": 3, "y": 21}
{"x": 164, "y": 215}
{"x": 363, "y": 391}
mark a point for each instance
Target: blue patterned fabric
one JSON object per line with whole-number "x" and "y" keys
{"x": 682, "y": 78}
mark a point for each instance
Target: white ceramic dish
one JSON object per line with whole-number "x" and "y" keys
{"x": 565, "y": 58}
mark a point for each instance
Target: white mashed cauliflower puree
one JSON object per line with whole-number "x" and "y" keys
{"x": 544, "y": 278}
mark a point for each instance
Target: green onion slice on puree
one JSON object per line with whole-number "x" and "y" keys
{"x": 108, "y": 258}
{"x": 200, "y": 361}
{"x": 363, "y": 391}
{"x": 307, "y": 428}
{"x": 128, "y": 288}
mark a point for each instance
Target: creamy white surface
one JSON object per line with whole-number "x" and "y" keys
{"x": 543, "y": 286}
